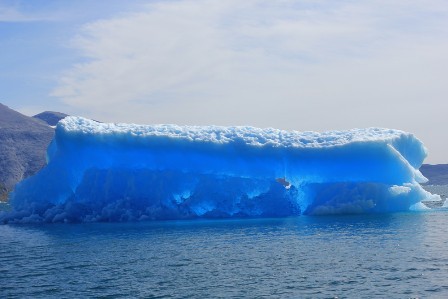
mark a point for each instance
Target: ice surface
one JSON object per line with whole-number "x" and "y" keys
{"x": 121, "y": 172}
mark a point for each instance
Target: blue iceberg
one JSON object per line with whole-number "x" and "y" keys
{"x": 126, "y": 172}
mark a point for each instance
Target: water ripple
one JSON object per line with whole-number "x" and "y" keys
{"x": 401, "y": 255}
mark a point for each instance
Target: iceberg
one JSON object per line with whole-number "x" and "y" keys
{"x": 126, "y": 172}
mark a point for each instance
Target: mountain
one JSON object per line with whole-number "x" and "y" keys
{"x": 436, "y": 174}
{"x": 23, "y": 144}
{"x": 50, "y": 117}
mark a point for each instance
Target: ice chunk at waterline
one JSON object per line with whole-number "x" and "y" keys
{"x": 120, "y": 172}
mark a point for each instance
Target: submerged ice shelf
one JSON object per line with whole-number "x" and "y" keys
{"x": 121, "y": 172}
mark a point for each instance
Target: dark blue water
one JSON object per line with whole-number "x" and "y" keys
{"x": 384, "y": 256}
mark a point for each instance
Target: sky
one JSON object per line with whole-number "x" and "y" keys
{"x": 296, "y": 65}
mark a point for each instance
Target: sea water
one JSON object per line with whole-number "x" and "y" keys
{"x": 401, "y": 255}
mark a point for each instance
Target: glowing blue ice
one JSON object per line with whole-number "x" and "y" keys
{"x": 121, "y": 172}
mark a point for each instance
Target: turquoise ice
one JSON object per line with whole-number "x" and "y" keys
{"x": 125, "y": 172}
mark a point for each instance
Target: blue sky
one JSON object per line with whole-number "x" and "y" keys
{"x": 36, "y": 47}
{"x": 302, "y": 65}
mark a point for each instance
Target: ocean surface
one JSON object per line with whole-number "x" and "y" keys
{"x": 382, "y": 256}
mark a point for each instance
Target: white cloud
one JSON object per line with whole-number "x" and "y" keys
{"x": 13, "y": 13}
{"x": 311, "y": 65}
